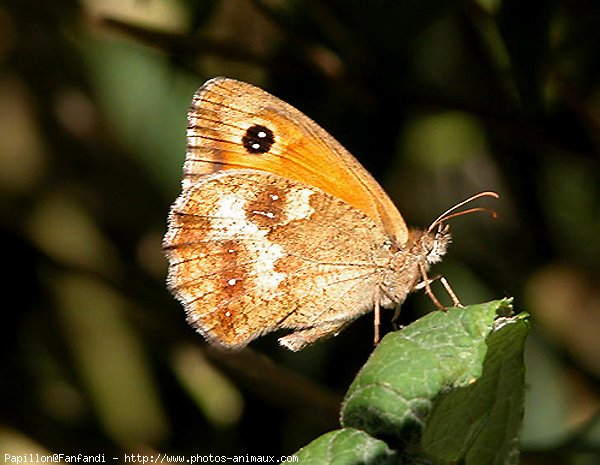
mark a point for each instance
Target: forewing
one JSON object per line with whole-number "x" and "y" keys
{"x": 224, "y": 110}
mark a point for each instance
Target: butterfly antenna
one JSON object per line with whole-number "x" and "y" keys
{"x": 452, "y": 213}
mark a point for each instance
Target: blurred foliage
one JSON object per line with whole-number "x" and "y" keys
{"x": 439, "y": 99}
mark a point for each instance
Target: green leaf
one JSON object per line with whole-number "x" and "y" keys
{"x": 393, "y": 393}
{"x": 479, "y": 423}
{"x": 446, "y": 389}
{"x": 346, "y": 446}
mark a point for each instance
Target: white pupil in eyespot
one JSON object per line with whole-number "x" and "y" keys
{"x": 262, "y": 134}
{"x": 256, "y": 145}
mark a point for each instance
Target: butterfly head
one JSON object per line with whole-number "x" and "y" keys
{"x": 435, "y": 243}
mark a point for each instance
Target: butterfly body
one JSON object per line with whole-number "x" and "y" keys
{"x": 279, "y": 227}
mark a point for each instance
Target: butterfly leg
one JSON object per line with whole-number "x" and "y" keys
{"x": 426, "y": 284}
{"x": 395, "y": 318}
{"x": 450, "y": 292}
{"x": 379, "y": 294}
{"x": 377, "y": 319}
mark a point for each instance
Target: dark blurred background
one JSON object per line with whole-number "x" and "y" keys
{"x": 439, "y": 99}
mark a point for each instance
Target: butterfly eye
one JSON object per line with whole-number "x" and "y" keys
{"x": 258, "y": 139}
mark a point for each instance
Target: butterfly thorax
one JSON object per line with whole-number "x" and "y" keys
{"x": 409, "y": 264}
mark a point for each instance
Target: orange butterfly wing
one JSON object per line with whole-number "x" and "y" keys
{"x": 278, "y": 226}
{"x": 230, "y": 124}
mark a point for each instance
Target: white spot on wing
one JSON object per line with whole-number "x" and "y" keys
{"x": 229, "y": 222}
{"x": 298, "y": 205}
{"x": 270, "y": 215}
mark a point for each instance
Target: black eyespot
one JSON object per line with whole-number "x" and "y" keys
{"x": 258, "y": 139}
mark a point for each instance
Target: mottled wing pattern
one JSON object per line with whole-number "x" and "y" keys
{"x": 251, "y": 252}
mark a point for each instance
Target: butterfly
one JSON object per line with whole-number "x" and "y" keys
{"x": 279, "y": 227}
